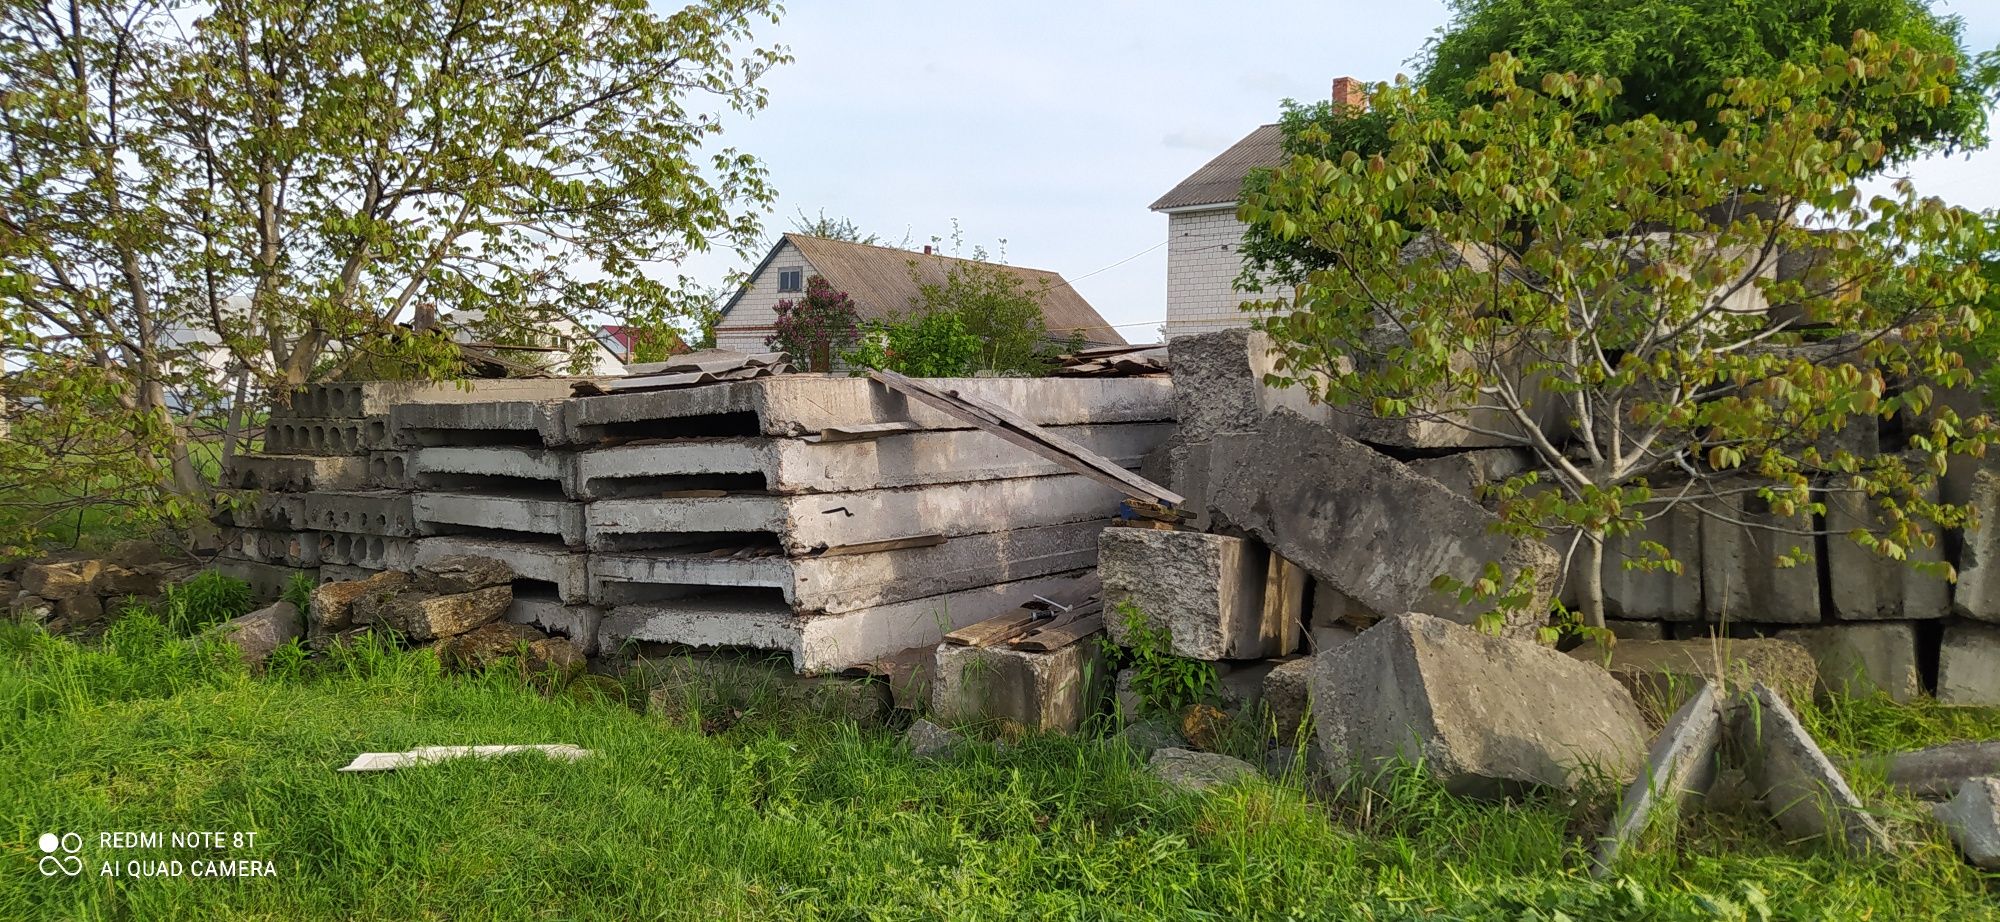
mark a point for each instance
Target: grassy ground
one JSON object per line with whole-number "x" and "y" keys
{"x": 783, "y": 815}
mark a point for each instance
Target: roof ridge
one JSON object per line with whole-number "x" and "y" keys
{"x": 919, "y": 253}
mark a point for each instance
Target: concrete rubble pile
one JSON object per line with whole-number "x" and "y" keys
{"x": 826, "y": 517}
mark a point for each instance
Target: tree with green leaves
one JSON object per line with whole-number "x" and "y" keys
{"x": 292, "y": 184}
{"x": 1671, "y": 59}
{"x": 815, "y": 328}
{"x": 1623, "y": 298}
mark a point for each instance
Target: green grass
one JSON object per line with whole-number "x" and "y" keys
{"x": 778, "y": 815}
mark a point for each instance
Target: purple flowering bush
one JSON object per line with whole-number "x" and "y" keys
{"x": 815, "y": 328}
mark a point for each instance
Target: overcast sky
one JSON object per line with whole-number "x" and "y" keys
{"x": 1054, "y": 125}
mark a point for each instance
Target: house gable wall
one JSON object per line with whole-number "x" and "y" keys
{"x": 1204, "y": 256}
{"x": 749, "y": 320}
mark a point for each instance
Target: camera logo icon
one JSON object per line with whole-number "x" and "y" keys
{"x": 59, "y": 854}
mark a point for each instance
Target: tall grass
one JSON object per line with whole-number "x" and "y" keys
{"x": 775, "y": 814}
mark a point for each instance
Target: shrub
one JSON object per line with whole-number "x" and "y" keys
{"x": 815, "y": 328}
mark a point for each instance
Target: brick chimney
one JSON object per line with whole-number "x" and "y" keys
{"x": 1349, "y": 93}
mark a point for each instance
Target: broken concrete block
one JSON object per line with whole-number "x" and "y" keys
{"x": 1977, "y": 593}
{"x": 1469, "y": 473}
{"x": 1369, "y": 526}
{"x": 1206, "y": 592}
{"x": 331, "y": 607}
{"x": 1661, "y": 674}
{"x": 1741, "y": 578}
{"x": 463, "y": 573}
{"x": 1862, "y": 659}
{"x": 538, "y": 654}
{"x": 1039, "y": 691}
{"x": 1805, "y": 793}
{"x": 1188, "y": 770}
{"x": 1973, "y": 820}
{"x": 930, "y": 741}
{"x": 1866, "y": 586}
{"x": 1935, "y": 772}
{"x": 1288, "y": 697}
{"x": 1969, "y": 665}
{"x": 62, "y": 580}
{"x": 425, "y": 618}
{"x": 1219, "y": 385}
{"x": 579, "y": 623}
{"x": 565, "y": 571}
{"x": 260, "y": 633}
{"x": 1488, "y": 717}
{"x": 1680, "y": 767}
{"x": 1145, "y": 737}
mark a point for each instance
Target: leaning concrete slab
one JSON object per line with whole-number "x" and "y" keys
{"x": 1863, "y": 659}
{"x": 1969, "y": 665}
{"x": 367, "y": 512}
{"x": 466, "y": 513}
{"x": 844, "y": 582}
{"x": 1741, "y": 579}
{"x": 800, "y": 466}
{"x": 1051, "y": 691}
{"x": 1206, "y": 592}
{"x": 808, "y": 523}
{"x": 1365, "y": 523}
{"x": 1488, "y": 717}
{"x": 1866, "y": 586}
{"x": 817, "y": 643}
{"x": 1972, "y": 818}
{"x": 1977, "y": 594}
{"x": 1469, "y": 473}
{"x": 1935, "y": 772}
{"x": 562, "y": 572}
{"x": 1679, "y": 769}
{"x": 793, "y": 405}
{"x": 1805, "y": 793}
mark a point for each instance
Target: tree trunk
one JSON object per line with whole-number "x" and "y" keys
{"x": 233, "y": 431}
{"x": 1591, "y": 589}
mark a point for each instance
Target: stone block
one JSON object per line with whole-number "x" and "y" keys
{"x": 1039, "y": 691}
{"x": 1206, "y": 592}
{"x": 563, "y": 570}
{"x": 1370, "y": 527}
{"x": 930, "y": 741}
{"x": 1741, "y": 578}
{"x": 455, "y": 573}
{"x": 423, "y": 618}
{"x": 1972, "y": 818}
{"x": 61, "y": 580}
{"x": 1802, "y": 789}
{"x": 1680, "y": 767}
{"x": 1863, "y": 659}
{"x": 535, "y": 653}
{"x": 1287, "y": 697}
{"x": 1866, "y": 586}
{"x": 1188, "y": 770}
{"x": 1977, "y": 594}
{"x": 331, "y": 607}
{"x": 1661, "y": 674}
{"x": 1969, "y": 665}
{"x": 1219, "y": 388}
{"x": 1487, "y": 716}
{"x": 1641, "y": 594}
{"x": 260, "y": 633}
{"x": 1636, "y": 630}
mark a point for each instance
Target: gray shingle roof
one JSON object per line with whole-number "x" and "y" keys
{"x": 1220, "y": 181}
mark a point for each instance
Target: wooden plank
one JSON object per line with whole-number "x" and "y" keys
{"x": 860, "y": 432}
{"x": 1051, "y": 639}
{"x": 888, "y": 544}
{"x": 996, "y": 629}
{"x": 1284, "y": 604}
{"x": 1019, "y": 431}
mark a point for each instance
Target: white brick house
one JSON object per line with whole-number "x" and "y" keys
{"x": 1204, "y": 239}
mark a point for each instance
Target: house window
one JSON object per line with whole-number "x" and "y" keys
{"x": 791, "y": 279}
